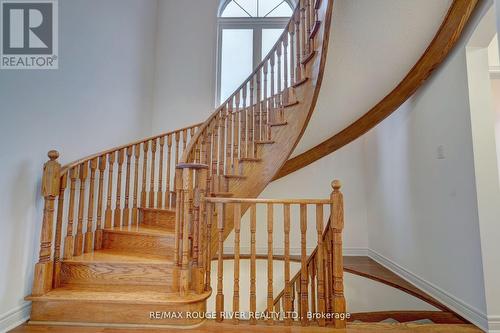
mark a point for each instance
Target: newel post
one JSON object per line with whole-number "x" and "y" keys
{"x": 337, "y": 226}
{"x": 191, "y": 183}
{"x": 42, "y": 281}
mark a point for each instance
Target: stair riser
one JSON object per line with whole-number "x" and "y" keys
{"x": 112, "y": 313}
{"x": 158, "y": 217}
{"x": 139, "y": 244}
{"x": 116, "y": 274}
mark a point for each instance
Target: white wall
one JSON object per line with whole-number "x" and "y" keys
{"x": 373, "y": 45}
{"x": 100, "y": 97}
{"x": 185, "y": 63}
{"x": 421, "y": 190}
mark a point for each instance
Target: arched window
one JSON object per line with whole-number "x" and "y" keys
{"x": 248, "y": 29}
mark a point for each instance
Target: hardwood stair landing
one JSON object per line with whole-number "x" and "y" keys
{"x": 126, "y": 305}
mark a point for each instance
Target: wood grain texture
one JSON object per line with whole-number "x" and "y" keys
{"x": 446, "y": 38}
{"x": 139, "y": 239}
{"x": 107, "y": 267}
{"x": 158, "y": 217}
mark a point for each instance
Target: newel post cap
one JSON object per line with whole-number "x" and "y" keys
{"x": 336, "y": 185}
{"x": 53, "y": 155}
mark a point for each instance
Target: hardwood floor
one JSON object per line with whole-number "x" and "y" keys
{"x": 211, "y": 327}
{"x": 369, "y": 268}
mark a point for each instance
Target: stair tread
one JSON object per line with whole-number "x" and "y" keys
{"x": 115, "y": 294}
{"x": 222, "y": 194}
{"x": 115, "y": 256}
{"x": 168, "y": 210}
{"x": 142, "y": 229}
{"x": 250, "y": 159}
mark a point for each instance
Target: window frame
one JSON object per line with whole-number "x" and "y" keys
{"x": 257, "y": 24}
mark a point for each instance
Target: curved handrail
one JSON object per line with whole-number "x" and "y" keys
{"x": 204, "y": 126}
{"x": 444, "y": 41}
{"x": 73, "y": 164}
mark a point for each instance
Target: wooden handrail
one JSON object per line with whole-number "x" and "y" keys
{"x": 439, "y": 49}
{"x": 70, "y": 165}
{"x": 271, "y": 201}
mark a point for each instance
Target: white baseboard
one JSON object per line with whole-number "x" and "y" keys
{"x": 469, "y": 312}
{"x": 15, "y": 317}
{"x": 494, "y": 324}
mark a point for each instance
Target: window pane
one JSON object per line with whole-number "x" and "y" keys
{"x": 232, "y": 10}
{"x": 241, "y": 8}
{"x": 266, "y": 6}
{"x": 236, "y": 57}
{"x": 269, "y": 38}
{"x": 282, "y": 10}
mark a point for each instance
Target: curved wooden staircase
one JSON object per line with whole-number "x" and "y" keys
{"x": 128, "y": 234}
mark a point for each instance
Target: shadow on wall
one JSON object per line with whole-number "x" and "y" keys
{"x": 26, "y": 209}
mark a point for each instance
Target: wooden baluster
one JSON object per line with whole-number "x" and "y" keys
{"x": 298, "y": 67}
{"x": 117, "y": 221}
{"x": 208, "y": 260}
{"x": 280, "y": 95}
{"x": 220, "y": 263}
{"x": 229, "y": 138}
{"x": 187, "y": 195}
{"x": 243, "y": 129}
{"x": 126, "y": 209}
{"x": 253, "y": 257}
{"x": 303, "y": 28}
{"x": 258, "y": 116}
{"x": 303, "y": 273}
{"x": 69, "y": 240}
{"x": 307, "y": 26}
{"x": 236, "y": 139}
{"x": 152, "y": 175}
{"x": 251, "y": 123}
{"x": 271, "y": 109}
{"x": 320, "y": 263}
{"x": 58, "y": 237}
{"x": 135, "y": 204}
{"x": 145, "y": 148}
{"x": 222, "y": 139}
{"x": 236, "y": 288}
{"x": 312, "y": 274}
{"x": 329, "y": 276}
{"x": 270, "y": 298}
{"x": 89, "y": 234}
{"x": 81, "y": 206}
{"x": 100, "y": 197}
{"x": 184, "y": 139}
{"x": 337, "y": 213}
{"x": 177, "y": 141}
{"x": 292, "y": 296}
{"x": 285, "y": 74}
{"x": 44, "y": 269}
{"x": 298, "y": 289}
{"x": 179, "y": 209}
{"x": 168, "y": 202}
{"x": 215, "y": 155}
{"x": 264, "y": 120}
{"x": 286, "y": 224}
{"x": 159, "y": 203}
{"x": 199, "y": 236}
{"x": 291, "y": 30}
{"x": 109, "y": 193}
